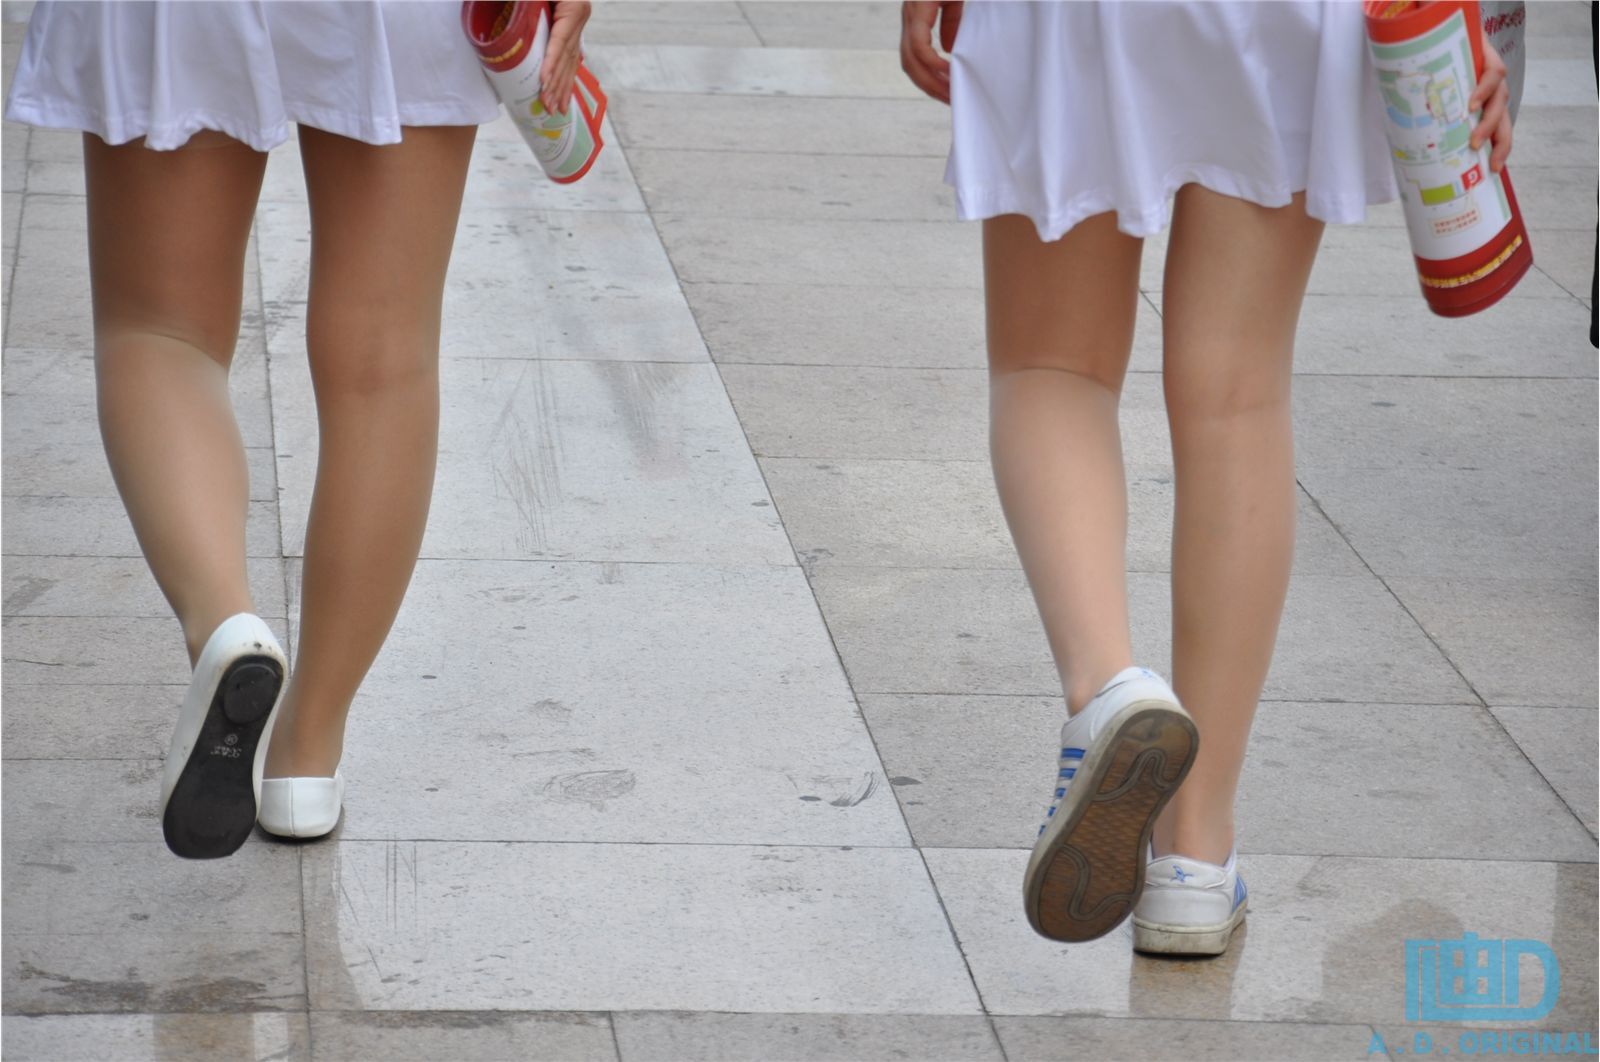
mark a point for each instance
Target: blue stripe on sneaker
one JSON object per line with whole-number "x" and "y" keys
{"x": 1073, "y": 753}
{"x": 1239, "y": 892}
{"x": 1068, "y": 772}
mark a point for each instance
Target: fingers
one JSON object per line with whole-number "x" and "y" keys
{"x": 561, "y": 56}
{"x": 1502, "y": 143}
{"x": 1493, "y": 98}
{"x": 1491, "y": 89}
{"x": 1493, "y": 75}
{"x": 556, "y": 90}
{"x": 556, "y": 78}
{"x": 1496, "y": 110}
{"x": 928, "y": 70}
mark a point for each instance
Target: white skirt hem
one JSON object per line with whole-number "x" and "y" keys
{"x": 173, "y": 133}
{"x": 977, "y": 203}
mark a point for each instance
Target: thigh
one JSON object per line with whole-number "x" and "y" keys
{"x": 167, "y": 237}
{"x": 1068, "y": 304}
{"x": 383, "y": 220}
{"x": 1236, "y": 275}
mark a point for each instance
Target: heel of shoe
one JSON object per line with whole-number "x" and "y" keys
{"x": 1153, "y": 938}
{"x": 301, "y": 808}
{"x": 251, "y": 689}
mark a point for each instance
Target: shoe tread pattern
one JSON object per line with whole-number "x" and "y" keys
{"x": 1095, "y": 873}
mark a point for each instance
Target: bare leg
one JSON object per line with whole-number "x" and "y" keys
{"x": 1060, "y": 320}
{"x": 1236, "y": 274}
{"x": 167, "y": 236}
{"x": 382, "y": 221}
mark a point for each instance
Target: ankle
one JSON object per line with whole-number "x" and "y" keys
{"x": 1086, "y": 681}
{"x": 199, "y": 625}
{"x": 285, "y": 762}
{"x": 1208, "y": 841}
{"x": 302, "y": 747}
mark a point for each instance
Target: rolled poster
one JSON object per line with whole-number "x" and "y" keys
{"x": 510, "y": 37}
{"x": 1466, "y": 230}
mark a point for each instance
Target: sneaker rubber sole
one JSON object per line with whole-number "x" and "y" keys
{"x": 1087, "y": 869}
{"x": 212, "y": 809}
{"x": 1156, "y": 938}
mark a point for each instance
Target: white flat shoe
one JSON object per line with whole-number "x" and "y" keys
{"x": 301, "y": 807}
{"x": 211, "y": 781}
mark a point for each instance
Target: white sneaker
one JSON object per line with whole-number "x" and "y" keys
{"x": 1189, "y": 907}
{"x": 211, "y": 782}
{"x": 301, "y": 807}
{"x": 1122, "y": 758}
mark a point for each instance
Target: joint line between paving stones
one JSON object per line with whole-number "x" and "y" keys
{"x": 1482, "y": 702}
{"x": 707, "y": 282}
{"x": 816, "y": 284}
{"x": 804, "y": 219}
{"x": 16, "y": 251}
{"x": 501, "y": 842}
{"x": 50, "y": 195}
{"x": 1039, "y": 696}
{"x": 431, "y": 558}
{"x": 744, "y": 14}
{"x": 616, "y": 1043}
{"x": 726, "y": 94}
{"x": 1132, "y": 371}
{"x": 1551, "y": 278}
{"x": 809, "y": 154}
{"x": 305, "y": 952}
{"x": 950, "y": 924}
{"x": 994, "y": 1031}
{"x": 1367, "y": 856}
{"x": 1388, "y": 1052}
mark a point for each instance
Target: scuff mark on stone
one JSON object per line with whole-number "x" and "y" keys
{"x": 863, "y": 789}
{"x": 552, "y": 708}
{"x": 594, "y": 788}
{"x": 59, "y": 868}
{"x": 26, "y": 593}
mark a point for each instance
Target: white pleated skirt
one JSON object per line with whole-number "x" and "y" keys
{"x": 251, "y": 69}
{"x": 1066, "y": 110}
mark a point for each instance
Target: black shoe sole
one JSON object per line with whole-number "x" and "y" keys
{"x": 212, "y": 809}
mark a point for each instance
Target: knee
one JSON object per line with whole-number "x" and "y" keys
{"x": 127, "y": 341}
{"x": 1104, "y": 375}
{"x": 1224, "y": 396}
{"x": 373, "y": 362}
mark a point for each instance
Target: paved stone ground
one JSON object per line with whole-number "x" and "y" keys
{"x": 718, "y": 719}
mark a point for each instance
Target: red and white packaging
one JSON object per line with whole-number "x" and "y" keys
{"x": 1467, "y": 234}
{"x": 510, "y": 38}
